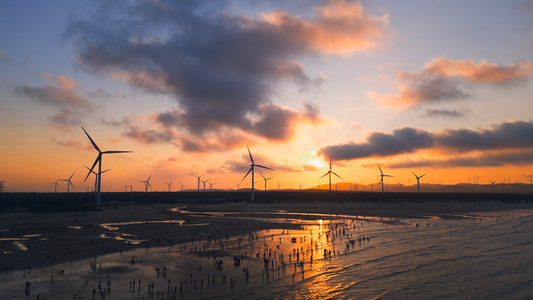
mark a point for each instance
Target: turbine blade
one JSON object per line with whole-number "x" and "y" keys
{"x": 112, "y": 152}
{"x": 72, "y": 185}
{"x": 263, "y": 167}
{"x": 247, "y": 173}
{"x": 414, "y": 174}
{"x": 422, "y": 176}
{"x": 106, "y": 170}
{"x": 337, "y": 175}
{"x": 324, "y": 175}
{"x": 330, "y": 162}
{"x": 94, "y": 144}
{"x": 262, "y": 175}
{"x": 71, "y": 176}
{"x": 149, "y": 178}
{"x": 380, "y": 170}
{"x": 251, "y": 158}
{"x": 94, "y": 164}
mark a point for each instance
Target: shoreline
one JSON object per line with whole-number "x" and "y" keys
{"x": 52, "y": 238}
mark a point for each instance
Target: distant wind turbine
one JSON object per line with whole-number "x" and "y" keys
{"x": 266, "y": 179}
{"x": 198, "y": 177}
{"x": 182, "y": 186}
{"x": 95, "y": 176}
{"x": 146, "y": 184}
{"x": 211, "y": 185}
{"x": 279, "y": 186}
{"x": 381, "y": 181}
{"x": 399, "y": 184}
{"x": 2, "y": 187}
{"x": 492, "y": 183}
{"x": 69, "y": 183}
{"x": 169, "y": 184}
{"x": 204, "y": 182}
{"x": 300, "y": 186}
{"x": 238, "y": 185}
{"x": 99, "y": 162}
{"x": 329, "y": 173}
{"x": 418, "y": 181}
{"x": 252, "y": 169}
{"x": 54, "y": 183}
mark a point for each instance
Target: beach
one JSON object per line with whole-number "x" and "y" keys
{"x": 186, "y": 236}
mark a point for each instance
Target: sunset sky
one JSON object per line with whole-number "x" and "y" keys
{"x": 437, "y": 87}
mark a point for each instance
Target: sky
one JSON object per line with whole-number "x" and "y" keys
{"x": 443, "y": 88}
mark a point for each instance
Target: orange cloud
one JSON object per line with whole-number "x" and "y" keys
{"x": 482, "y": 72}
{"x": 340, "y": 27}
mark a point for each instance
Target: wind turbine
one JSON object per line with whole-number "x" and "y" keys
{"x": 300, "y": 186}
{"x": 238, "y": 185}
{"x": 329, "y": 173}
{"x": 279, "y": 186}
{"x": 381, "y": 181}
{"x": 266, "y": 179}
{"x": 211, "y": 185}
{"x": 492, "y": 183}
{"x": 169, "y": 184}
{"x": 95, "y": 176}
{"x": 252, "y": 168}
{"x": 399, "y": 185}
{"x": 2, "y": 187}
{"x": 146, "y": 184}
{"x": 198, "y": 181}
{"x": 418, "y": 180}
{"x": 54, "y": 183}
{"x": 204, "y": 182}
{"x": 182, "y": 186}
{"x": 69, "y": 183}
{"x": 99, "y": 162}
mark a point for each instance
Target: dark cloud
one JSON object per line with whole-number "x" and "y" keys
{"x": 404, "y": 140}
{"x": 515, "y": 158}
{"x": 220, "y": 67}
{"x": 445, "y": 113}
{"x": 504, "y": 136}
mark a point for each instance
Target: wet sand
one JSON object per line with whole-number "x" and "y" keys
{"x": 33, "y": 240}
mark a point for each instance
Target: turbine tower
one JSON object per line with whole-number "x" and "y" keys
{"x": 99, "y": 162}
{"x": 381, "y": 181}
{"x": 252, "y": 168}
{"x": 146, "y": 184}
{"x": 69, "y": 183}
{"x": 266, "y": 179}
{"x": 329, "y": 173}
{"x": 418, "y": 181}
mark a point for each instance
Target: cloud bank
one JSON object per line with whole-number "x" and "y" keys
{"x": 503, "y": 143}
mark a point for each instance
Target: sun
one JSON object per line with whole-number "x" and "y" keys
{"x": 316, "y": 162}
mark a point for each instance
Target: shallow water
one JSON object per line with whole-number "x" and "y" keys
{"x": 486, "y": 258}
